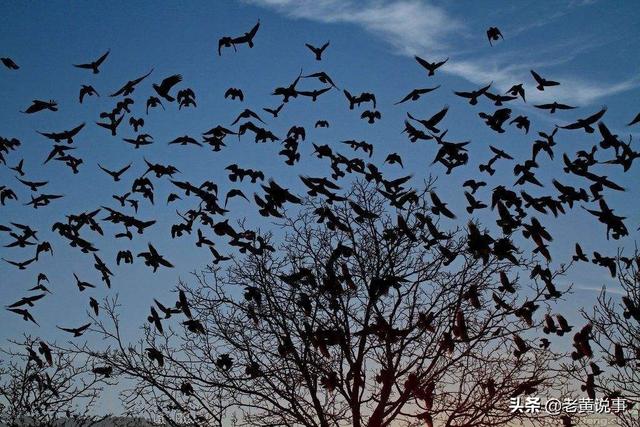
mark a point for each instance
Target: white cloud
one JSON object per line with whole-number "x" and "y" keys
{"x": 409, "y": 25}
{"x": 416, "y": 27}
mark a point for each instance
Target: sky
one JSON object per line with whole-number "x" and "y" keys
{"x": 589, "y": 46}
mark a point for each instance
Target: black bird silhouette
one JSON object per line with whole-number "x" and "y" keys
{"x": 26, "y": 315}
{"x": 37, "y": 105}
{"x": 141, "y": 139}
{"x": 183, "y": 304}
{"x": 635, "y": 120}
{"x": 155, "y": 355}
{"x": 234, "y": 93}
{"x": 371, "y": 116}
{"x": 554, "y": 106}
{"x": 497, "y": 119}
{"x": 77, "y": 332}
{"x": 579, "y": 254}
{"x": 499, "y": 99}
{"x": 19, "y": 168}
{"x": 415, "y": 94}
{"x": 33, "y": 185}
{"x": 45, "y": 351}
{"x": 87, "y": 90}
{"x": 154, "y": 318}
{"x": 542, "y": 82}
{"x": 185, "y": 140}
{"x": 317, "y": 50}
{"x": 314, "y": 94}
{"x": 9, "y": 63}
{"x": 66, "y": 135}
{"x": 112, "y": 125}
{"x": 430, "y": 66}
{"x": 130, "y": 86}
{"x": 522, "y": 122}
{"x": 22, "y": 265}
{"x": 136, "y": 123}
{"x": 438, "y": 207}
{"x": 6, "y": 193}
{"x": 586, "y": 123}
{"x": 274, "y": 112}
{"x": 322, "y": 77}
{"x": 93, "y": 303}
{"x": 394, "y": 158}
{"x": 475, "y": 94}
{"x": 227, "y": 41}
{"x": 494, "y": 34}
{"x": 431, "y": 122}
{"x": 517, "y": 90}
{"x": 474, "y": 185}
{"x": 26, "y": 301}
{"x": 94, "y": 66}
{"x": 81, "y": 284}
{"x": 163, "y": 88}
{"x": 115, "y": 174}
{"x": 247, "y": 37}
{"x": 153, "y": 259}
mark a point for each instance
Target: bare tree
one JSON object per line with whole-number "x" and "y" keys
{"x": 368, "y": 314}
{"x": 40, "y": 386}
{"x": 612, "y": 367}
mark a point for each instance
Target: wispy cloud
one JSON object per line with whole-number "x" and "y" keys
{"x": 417, "y": 27}
{"x": 408, "y": 25}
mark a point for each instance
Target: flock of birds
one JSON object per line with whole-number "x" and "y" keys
{"x": 513, "y": 208}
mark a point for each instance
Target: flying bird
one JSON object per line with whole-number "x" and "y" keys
{"x": 494, "y": 34}
{"x": 431, "y": 67}
{"x": 94, "y": 65}
{"x": 317, "y": 50}
{"x": 165, "y": 86}
{"x": 542, "y": 82}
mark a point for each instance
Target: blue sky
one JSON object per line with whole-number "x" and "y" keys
{"x": 589, "y": 46}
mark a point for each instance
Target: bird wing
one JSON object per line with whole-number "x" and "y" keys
{"x": 102, "y": 58}
{"x": 171, "y": 81}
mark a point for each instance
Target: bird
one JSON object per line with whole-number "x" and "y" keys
{"x": 517, "y": 90}
{"x": 234, "y": 93}
{"x": 77, "y": 332}
{"x": 165, "y": 86}
{"x": 317, "y": 50}
{"x": 66, "y": 135}
{"x": 38, "y": 105}
{"x": 394, "y": 158}
{"x": 21, "y": 265}
{"x": 153, "y": 259}
{"x": 247, "y": 38}
{"x": 115, "y": 174}
{"x": 494, "y": 34}
{"x": 19, "y": 168}
{"x": 473, "y": 95}
{"x": 94, "y": 65}
{"x": 554, "y": 106}
{"x": 586, "y": 123}
{"x": 81, "y": 284}
{"x": 431, "y": 67}
{"x": 415, "y": 94}
{"x": 431, "y": 122}
{"x": 274, "y": 111}
{"x": 371, "y": 116}
{"x": 9, "y": 63}
{"x": 542, "y": 82}
{"x": 87, "y": 90}
{"x": 635, "y": 120}
{"x": 439, "y": 207}
{"x": 129, "y": 87}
